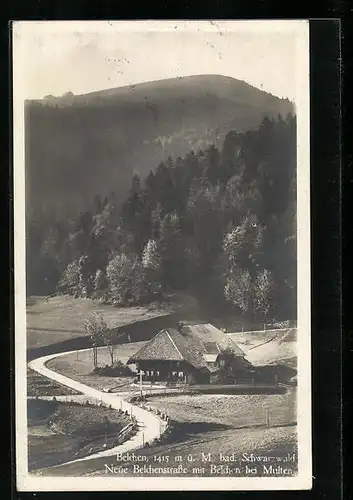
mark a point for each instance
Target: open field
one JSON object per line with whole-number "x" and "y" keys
{"x": 37, "y": 385}
{"x": 274, "y": 442}
{"x": 213, "y": 424}
{"x": 79, "y": 366}
{"x": 56, "y": 431}
{"x": 234, "y": 411}
{"x": 55, "y": 319}
{"x": 201, "y": 423}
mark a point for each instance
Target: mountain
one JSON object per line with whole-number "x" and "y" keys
{"x": 78, "y": 146}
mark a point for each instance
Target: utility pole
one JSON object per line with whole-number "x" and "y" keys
{"x": 268, "y": 419}
{"x": 95, "y": 355}
{"x": 140, "y": 382}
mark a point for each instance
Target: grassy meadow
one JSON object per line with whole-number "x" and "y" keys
{"x": 79, "y": 365}
{"x": 76, "y": 428}
{"x": 37, "y": 385}
{"x": 55, "y": 319}
{"x": 229, "y": 410}
{"x": 275, "y": 441}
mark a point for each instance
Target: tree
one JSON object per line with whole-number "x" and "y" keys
{"x": 86, "y": 278}
{"x": 263, "y": 290}
{"x": 231, "y": 160}
{"x": 240, "y": 198}
{"x": 96, "y": 328}
{"x": 150, "y": 256}
{"x": 135, "y": 214}
{"x": 243, "y": 244}
{"x": 152, "y": 265}
{"x": 100, "y": 284}
{"x": 206, "y": 220}
{"x": 221, "y": 221}
{"x": 242, "y": 247}
{"x": 172, "y": 251}
{"x": 238, "y": 288}
{"x": 156, "y": 220}
{"x": 71, "y": 279}
{"x": 110, "y": 341}
{"x": 212, "y": 165}
{"x": 125, "y": 278}
{"x": 100, "y": 334}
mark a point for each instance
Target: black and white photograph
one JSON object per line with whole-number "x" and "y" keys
{"x": 162, "y": 255}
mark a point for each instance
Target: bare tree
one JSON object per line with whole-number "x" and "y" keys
{"x": 96, "y": 328}
{"x": 110, "y": 341}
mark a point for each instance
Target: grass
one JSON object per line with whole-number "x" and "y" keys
{"x": 214, "y": 424}
{"x": 37, "y": 385}
{"x": 74, "y": 429}
{"x": 278, "y": 442}
{"x": 55, "y": 319}
{"x": 80, "y": 367}
{"x": 235, "y": 411}
{"x": 61, "y": 318}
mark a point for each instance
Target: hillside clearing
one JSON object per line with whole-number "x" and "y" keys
{"x": 55, "y": 319}
{"x": 56, "y": 431}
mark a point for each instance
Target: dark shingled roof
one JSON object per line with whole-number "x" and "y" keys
{"x": 189, "y": 344}
{"x": 212, "y": 338}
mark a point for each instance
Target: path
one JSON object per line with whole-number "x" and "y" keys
{"x": 149, "y": 425}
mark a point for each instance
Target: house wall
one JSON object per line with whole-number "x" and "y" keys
{"x": 176, "y": 371}
{"x": 197, "y": 376}
{"x": 160, "y": 370}
{"x": 216, "y": 378}
{"x": 239, "y": 366}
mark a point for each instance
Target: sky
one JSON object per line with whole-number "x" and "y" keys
{"x": 81, "y": 57}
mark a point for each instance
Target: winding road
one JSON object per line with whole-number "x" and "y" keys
{"x": 149, "y": 425}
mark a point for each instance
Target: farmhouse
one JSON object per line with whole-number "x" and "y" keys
{"x": 193, "y": 354}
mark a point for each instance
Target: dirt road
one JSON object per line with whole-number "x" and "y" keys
{"x": 150, "y": 426}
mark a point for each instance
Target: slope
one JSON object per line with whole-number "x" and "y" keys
{"x": 78, "y": 146}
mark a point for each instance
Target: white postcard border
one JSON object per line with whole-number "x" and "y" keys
{"x": 303, "y": 480}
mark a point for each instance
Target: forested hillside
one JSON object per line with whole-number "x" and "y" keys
{"x": 81, "y": 145}
{"x": 219, "y": 222}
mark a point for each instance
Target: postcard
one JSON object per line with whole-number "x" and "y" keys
{"x": 162, "y": 255}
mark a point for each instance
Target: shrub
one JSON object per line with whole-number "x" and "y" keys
{"x": 118, "y": 369}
